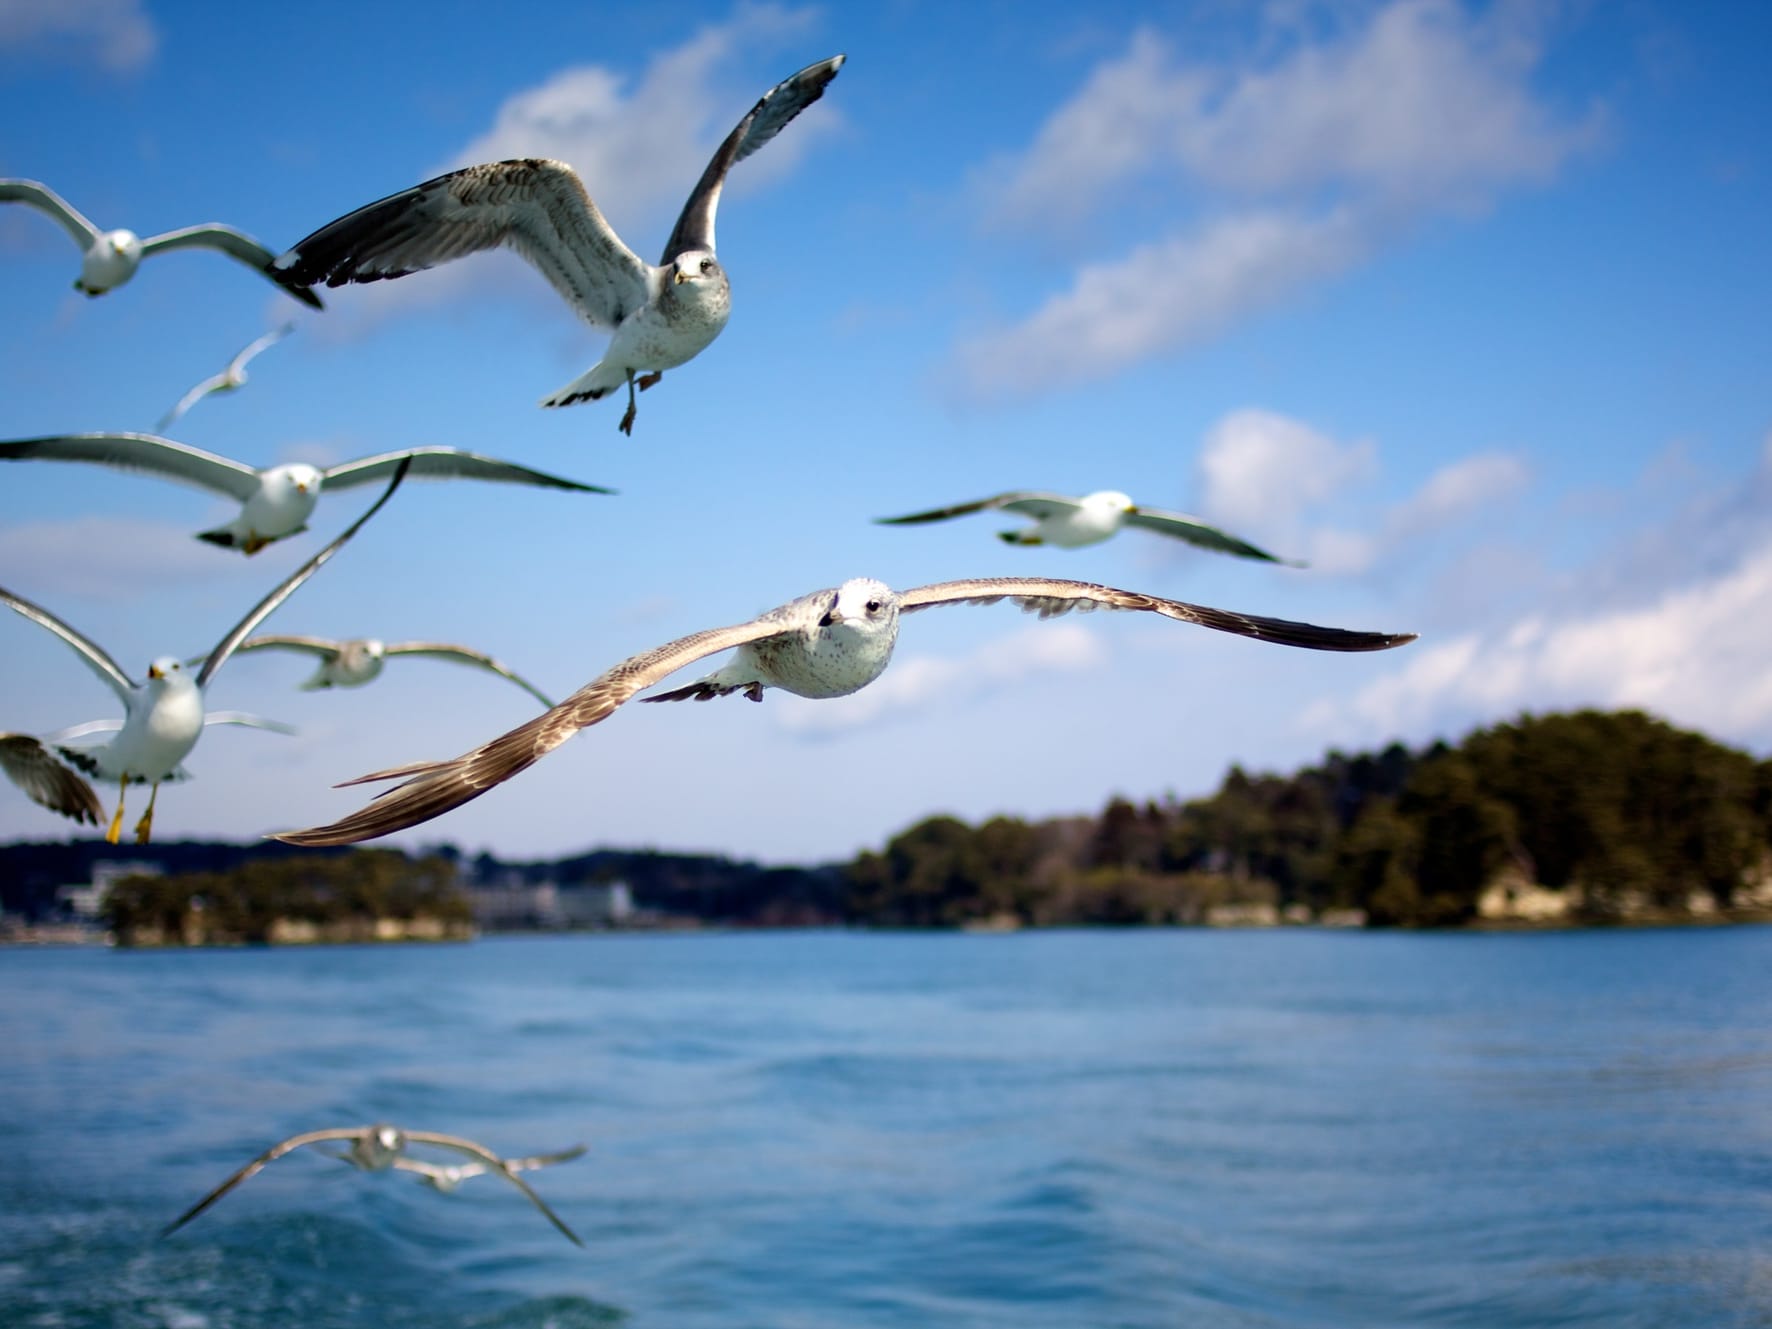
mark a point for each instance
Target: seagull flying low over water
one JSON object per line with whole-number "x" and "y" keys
{"x": 229, "y": 380}
{"x": 1071, "y": 523}
{"x": 446, "y": 1177}
{"x": 276, "y": 501}
{"x": 162, "y": 717}
{"x": 110, "y": 258}
{"x": 351, "y": 664}
{"x": 378, "y": 1148}
{"x": 660, "y": 317}
{"x": 826, "y": 644}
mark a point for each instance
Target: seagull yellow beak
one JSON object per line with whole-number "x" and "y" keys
{"x": 153, "y": 671}
{"x": 680, "y": 276}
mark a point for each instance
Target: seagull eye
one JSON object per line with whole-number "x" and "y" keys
{"x": 707, "y": 265}
{"x": 873, "y": 606}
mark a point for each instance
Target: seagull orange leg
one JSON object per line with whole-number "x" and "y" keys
{"x": 648, "y": 380}
{"x": 627, "y": 420}
{"x": 111, "y": 836}
{"x": 145, "y": 827}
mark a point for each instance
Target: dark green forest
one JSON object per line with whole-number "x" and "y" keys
{"x": 1608, "y": 816}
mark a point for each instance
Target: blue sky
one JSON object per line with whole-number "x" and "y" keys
{"x": 1466, "y": 305}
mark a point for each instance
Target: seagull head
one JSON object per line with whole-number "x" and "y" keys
{"x": 864, "y": 605}
{"x": 299, "y": 476}
{"x": 165, "y": 669}
{"x": 695, "y": 265}
{"x": 1110, "y": 500}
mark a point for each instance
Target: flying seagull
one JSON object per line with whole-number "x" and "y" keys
{"x": 276, "y": 500}
{"x": 1071, "y": 523}
{"x": 164, "y": 716}
{"x": 229, "y": 379}
{"x": 446, "y": 1177}
{"x": 375, "y": 1148}
{"x": 826, "y": 644}
{"x": 110, "y": 258}
{"x": 351, "y": 664}
{"x": 661, "y": 316}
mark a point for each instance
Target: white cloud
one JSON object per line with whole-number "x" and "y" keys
{"x": 917, "y": 682}
{"x": 1159, "y": 298}
{"x": 1312, "y": 161}
{"x": 1695, "y": 654}
{"x": 1261, "y": 468}
{"x": 1456, "y": 490}
{"x": 114, "y": 34}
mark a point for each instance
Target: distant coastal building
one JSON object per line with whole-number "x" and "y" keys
{"x": 87, "y": 902}
{"x": 510, "y": 904}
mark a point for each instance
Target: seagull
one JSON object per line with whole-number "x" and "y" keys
{"x": 277, "y": 500}
{"x": 351, "y": 664}
{"x": 110, "y": 258}
{"x": 375, "y": 1148}
{"x": 1071, "y": 523}
{"x": 163, "y": 716}
{"x": 660, "y": 317}
{"x": 825, "y": 644}
{"x": 229, "y": 379}
{"x": 447, "y": 1178}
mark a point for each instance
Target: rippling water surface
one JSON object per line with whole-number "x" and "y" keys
{"x": 1088, "y": 1129}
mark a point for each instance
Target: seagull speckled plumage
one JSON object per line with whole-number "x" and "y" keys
{"x": 110, "y": 258}
{"x": 375, "y": 1148}
{"x": 826, "y": 644}
{"x": 275, "y": 501}
{"x": 660, "y": 317}
{"x": 164, "y": 715}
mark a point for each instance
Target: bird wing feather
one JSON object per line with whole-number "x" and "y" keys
{"x": 436, "y": 463}
{"x": 251, "y": 1169}
{"x": 773, "y": 111}
{"x": 1197, "y": 532}
{"x": 96, "y": 657}
{"x": 34, "y": 769}
{"x": 235, "y": 244}
{"x": 535, "y": 206}
{"x": 147, "y": 453}
{"x": 464, "y": 655}
{"x": 1049, "y": 598}
{"x": 52, "y": 204}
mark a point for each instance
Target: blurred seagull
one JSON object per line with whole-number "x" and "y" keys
{"x": 1071, "y": 523}
{"x": 446, "y": 1178}
{"x": 351, "y": 664}
{"x": 111, "y": 257}
{"x": 661, "y": 317}
{"x": 229, "y": 379}
{"x": 277, "y": 500}
{"x": 163, "y": 717}
{"x": 826, "y": 644}
{"x": 375, "y": 1148}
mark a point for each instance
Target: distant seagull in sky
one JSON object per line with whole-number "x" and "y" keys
{"x": 229, "y": 379}
{"x": 826, "y": 644}
{"x": 163, "y": 717}
{"x": 446, "y": 1177}
{"x": 375, "y": 1148}
{"x": 110, "y": 258}
{"x": 351, "y": 664}
{"x": 1071, "y": 523}
{"x": 661, "y": 316}
{"x": 276, "y": 501}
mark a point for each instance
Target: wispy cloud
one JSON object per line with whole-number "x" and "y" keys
{"x": 1690, "y": 643}
{"x": 111, "y": 558}
{"x": 921, "y": 681}
{"x": 114, "y": 34}
{"x": 1305, "y": 166}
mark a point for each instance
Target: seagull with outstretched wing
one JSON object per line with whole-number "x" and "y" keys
{"x": 230, "y": 379}
{"x": 826, "y": 644}
{"x": 375, "y": 1148}
{"x": 660, "y": 317}
{"x": 351, "y": 664}
{"x": 110, "y": 258}
{"x": 1071, "y": 523}
{"x": 275, "y": 501}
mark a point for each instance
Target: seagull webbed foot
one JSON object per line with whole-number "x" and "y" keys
{"x": 648, "y": 380}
